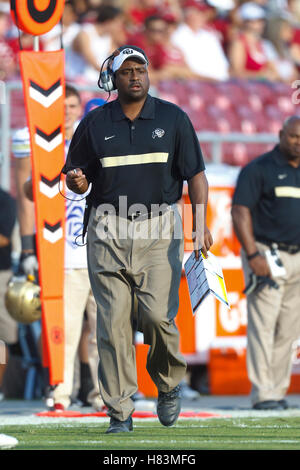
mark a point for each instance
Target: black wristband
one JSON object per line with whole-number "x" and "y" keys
{"x": 249, "y": 257}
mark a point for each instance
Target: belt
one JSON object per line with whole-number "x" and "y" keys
{"x": 291, "y": 249}
{"x": 142, "y": 215}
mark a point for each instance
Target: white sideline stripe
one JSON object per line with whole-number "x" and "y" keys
{"x": 287, "y": 191}
{"x": 45, "y": 101}
{"x": 134, "y": 159}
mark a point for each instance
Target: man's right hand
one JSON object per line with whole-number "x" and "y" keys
{"x": 76, "y": 181}
{"x": 28, "y": 264}
{"x": 259, "y": 266}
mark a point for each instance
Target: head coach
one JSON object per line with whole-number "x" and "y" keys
{"x": 266, "y": 218}
{"x": 136, "y": 151}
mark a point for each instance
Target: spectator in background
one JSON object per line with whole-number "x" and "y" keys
{"x": 81, "y": 7}
{"x": 166, "y": 60}
{"x": 64, "y": 34}
{"x": 262, "y": 3}
{"x": 95, "y": 42}
{"x": 138, "y": 10}
{"x": 280, "y": 34}
{"x": 221, "y": 19}
{"x": 70, "y": 29}
{"x": 247, "y": 54}
{"x": 150, "y": 39}
{"x": 174, "y": 65}
{"x": 5, "y": 6}
{"x": 8, "y": 66}
{"x": 295, "y": 46}
{"x": 294, "y": 7}
{"x": 200, "y": 45}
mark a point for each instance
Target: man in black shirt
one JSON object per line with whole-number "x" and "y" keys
{"x": 266, "y": 218}
{"x": 136, "y": 152}
{"x": 8, "y": 326}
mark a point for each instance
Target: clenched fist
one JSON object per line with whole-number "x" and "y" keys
{"x": 76, "y": 181}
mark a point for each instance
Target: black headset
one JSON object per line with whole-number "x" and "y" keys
{"x": 106, "y": 79}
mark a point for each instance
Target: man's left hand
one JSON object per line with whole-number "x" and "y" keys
{"x": 203, "y": 243}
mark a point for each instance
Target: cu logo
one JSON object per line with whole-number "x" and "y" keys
{"x": 34, "y": 19}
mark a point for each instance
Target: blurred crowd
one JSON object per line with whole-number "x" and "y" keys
{"x": 211, "y": 40}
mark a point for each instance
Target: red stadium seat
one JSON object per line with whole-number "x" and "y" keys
{"x": 232, "y": 90}
{"x": 235, "y": 154}
{"x": 196, "y": 101}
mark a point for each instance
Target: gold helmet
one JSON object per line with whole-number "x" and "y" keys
{"x": 22, "y": 300}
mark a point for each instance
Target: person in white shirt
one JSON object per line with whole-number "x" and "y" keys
{"x": 201, "y": 46}
{"x": 78, "y": 297}
{"x": 95, "y": 42}
{"x": 63, "y": 35}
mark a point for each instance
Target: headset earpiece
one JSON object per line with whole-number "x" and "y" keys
{"x": 106, "y": 79}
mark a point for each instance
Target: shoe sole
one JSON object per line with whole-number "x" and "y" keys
{"x": 167, "y": 424}
{"x": 117, "y": 431}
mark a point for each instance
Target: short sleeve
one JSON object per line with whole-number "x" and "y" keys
{"x": 249, "y": 186}
{"x": 188, "y": 153}
{"x": 20, "y": 145}
{"x": 79, "y": 153}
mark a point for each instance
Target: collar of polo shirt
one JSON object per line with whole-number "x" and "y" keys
{"x": 147, "y": 112}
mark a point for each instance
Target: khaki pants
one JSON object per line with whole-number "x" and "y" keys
{"x": 152, "y": 269}
{"x": 273, "y": 327}
{"x": 78, "y": 297}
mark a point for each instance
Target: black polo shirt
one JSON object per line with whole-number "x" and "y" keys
{"x": 270, "y": 187}
{"x": 146, "y": 160}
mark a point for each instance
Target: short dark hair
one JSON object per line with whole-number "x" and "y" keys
{"x": 150, "y": 19}
{"x": 72, "y": 91}
{"x": 69, "y": 3}
{"x": 107, "y": 13}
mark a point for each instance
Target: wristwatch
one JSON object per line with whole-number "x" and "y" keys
{"x": 249, "y": 257}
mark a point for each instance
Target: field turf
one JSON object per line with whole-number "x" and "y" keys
{"x": 250, "y": 433}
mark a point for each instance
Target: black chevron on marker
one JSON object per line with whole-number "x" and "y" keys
{"x": 52, "y": 228}
{"x": 48, "y": 137}
{"x": 52, "y": 182}
{"x": 45, "y": 91}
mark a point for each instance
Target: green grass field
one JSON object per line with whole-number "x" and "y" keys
{"x": 268, "y": 433}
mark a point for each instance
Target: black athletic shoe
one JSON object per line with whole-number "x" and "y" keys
{"x": 168, "y": 406}
{"x": 268, "y": 405}
{"x": 120, "y": 426}
{"x": 284, "y": 404}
